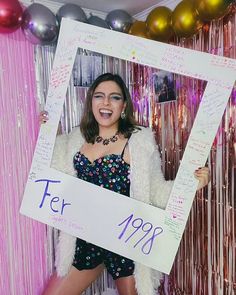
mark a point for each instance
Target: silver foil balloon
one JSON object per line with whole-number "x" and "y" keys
{"x": 40, "y": 25}
{"x": 119, "y": 20}
{"x": 97, "y": 21}
{"x": 71, "y": 11}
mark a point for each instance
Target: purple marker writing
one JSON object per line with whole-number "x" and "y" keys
{"x": 53, "y": 200}
{"x": 146, "y": 227}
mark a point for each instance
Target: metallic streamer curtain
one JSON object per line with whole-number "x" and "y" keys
{"x": 205, "y": 263}
{"x": 206, "y": 260}
{"x": 24, "y": 264}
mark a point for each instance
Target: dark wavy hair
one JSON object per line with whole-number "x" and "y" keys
{"x": 89, "y": 126}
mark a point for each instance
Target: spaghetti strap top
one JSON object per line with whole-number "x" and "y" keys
{"x": 123, "y": 151}
{"x": 109, "y": 171}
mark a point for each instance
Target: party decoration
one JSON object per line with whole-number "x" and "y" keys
{"x": 71, "y": 11}
{"x": 206, "y": 123}
{"x": 212, "y": 9}
{"x": 185, "y": 19}
{"x": 119, "y": 20}
{"x": 40, "y": 25}
{"x": 97, "y": 21}
{"x": 10, "y": 15}
{"x": 159, "y": 24}
{"x": 23, "y": 243}
{"x": 139, "y": 28}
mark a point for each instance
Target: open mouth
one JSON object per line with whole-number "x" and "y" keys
{"x": 104, "y": 113}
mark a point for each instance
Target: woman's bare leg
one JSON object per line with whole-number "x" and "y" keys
{"x": 126, "y": 286}
{"x": 75, "y": 282}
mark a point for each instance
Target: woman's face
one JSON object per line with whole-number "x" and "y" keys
{"x": 107, "y": 104}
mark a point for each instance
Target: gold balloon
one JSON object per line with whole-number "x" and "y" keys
{"x": 159, "y": 24}
{"x": 212, "y": 9}
{"x": 139, "y": 28}
{"x": 185, "y": 19}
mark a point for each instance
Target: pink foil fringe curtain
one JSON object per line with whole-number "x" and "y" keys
{"x": 206, "y": 260}
{"x": 23, "y": 249}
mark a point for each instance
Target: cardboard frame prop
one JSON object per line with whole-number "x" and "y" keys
{"x": 136, "y": 230}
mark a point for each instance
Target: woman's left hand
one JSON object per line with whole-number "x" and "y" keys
{"x": 203, "y": 175}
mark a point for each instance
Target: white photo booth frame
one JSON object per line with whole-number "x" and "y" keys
{"x": 133, "y": 229}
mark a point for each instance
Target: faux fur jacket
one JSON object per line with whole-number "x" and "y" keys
{"x": 147, "y": 185}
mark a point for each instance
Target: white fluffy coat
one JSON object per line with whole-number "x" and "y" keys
{"x": 147, "y": 185}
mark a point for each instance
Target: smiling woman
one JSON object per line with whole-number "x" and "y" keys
{"x": 110, "y": 150}
{"x": 108, "y": 104}
{"x": 108, "y": 109}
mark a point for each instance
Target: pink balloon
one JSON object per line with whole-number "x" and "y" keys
{"x": 10, "y": 15}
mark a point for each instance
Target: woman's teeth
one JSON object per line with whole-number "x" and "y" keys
{"x": 105, "y": 113}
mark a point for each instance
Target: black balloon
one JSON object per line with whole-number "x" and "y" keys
{"x": 40, "y": 25}
{"x": 97, "y": 21}
{"x": 71, "y": 11}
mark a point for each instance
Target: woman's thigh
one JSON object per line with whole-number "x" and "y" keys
{"x": 75, "y": 282}
{"x": 126, "y": 286}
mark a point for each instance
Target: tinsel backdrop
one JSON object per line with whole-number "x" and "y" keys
{"x": 206, "y": 260}
{"x": 23, "y": 242}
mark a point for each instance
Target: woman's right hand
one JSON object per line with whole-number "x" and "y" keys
{"x": 43, "y": 117}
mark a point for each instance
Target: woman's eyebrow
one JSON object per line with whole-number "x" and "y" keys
{"x": 116, "y": 93}
{"x": 112, "y": 93}
{"x": 99, "y": 92}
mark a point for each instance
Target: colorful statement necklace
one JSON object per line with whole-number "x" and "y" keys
{"x": 106, "y": 141}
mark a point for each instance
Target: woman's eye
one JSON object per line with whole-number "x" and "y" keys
{"x": 116, "y": 97}
{"x": 98, "y": 96}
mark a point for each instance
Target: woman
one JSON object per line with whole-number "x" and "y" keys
{"x": 110, "y": 150}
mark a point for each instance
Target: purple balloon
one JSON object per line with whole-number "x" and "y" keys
{"x": 97, "y": 21}
{"x": 119, "y": 20}
{"x": 40, "y": 25}
{"x": 71, "y": 11}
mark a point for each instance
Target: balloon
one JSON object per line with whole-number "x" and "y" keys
{"x": 71, "y": 11}
{"x": 139, "y": 28}
{"x": 40, "y": 25}
{"x": 159, "y": 24}
{"x": 97, "y": 21}
{"x": 212, "y": 9}
{"x": 185, "y": 19}
{"x": 119, "y": 20}
{"x": 10, "y": 15}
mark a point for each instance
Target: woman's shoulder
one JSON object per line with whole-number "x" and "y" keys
{"x": 73, "y": 138}
{"x": 75, "y": 133}
{"x": 66, "y": 146}
{"x": 143, "y": 136}
{"x": 143, "y": 133}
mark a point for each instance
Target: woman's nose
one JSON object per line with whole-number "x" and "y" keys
{"x": 106, "y": 100}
